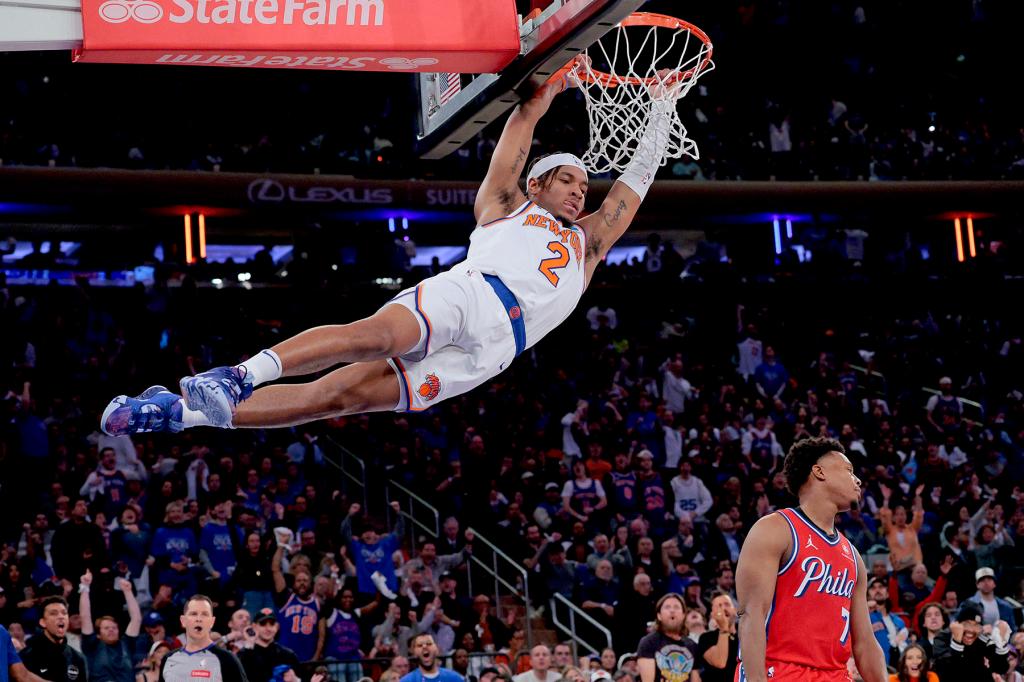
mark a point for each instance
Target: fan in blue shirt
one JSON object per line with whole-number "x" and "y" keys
{"x": 425, "y": 648}
{"x": 372, "y": 552}
{"x": 217, "y": 541}
{"x": 11, "y": 666}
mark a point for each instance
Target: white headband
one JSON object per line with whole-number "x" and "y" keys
{"x": 554, "y": 161}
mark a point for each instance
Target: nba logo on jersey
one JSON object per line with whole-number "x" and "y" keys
{"x": 771, "y": 671}
{"x": 430, "y": 388}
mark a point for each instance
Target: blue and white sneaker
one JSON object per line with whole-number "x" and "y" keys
{"x": 155, "y": 409}
{"x": 216, "y": 393}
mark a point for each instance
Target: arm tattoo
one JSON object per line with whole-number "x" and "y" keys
{"x": 611, "y": 220}
{"x": 520, "y": 157}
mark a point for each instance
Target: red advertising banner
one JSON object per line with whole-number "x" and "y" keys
{"x": 465, "y": 36}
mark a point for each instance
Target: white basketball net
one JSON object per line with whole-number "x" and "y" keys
{"x": 645, "y": 63}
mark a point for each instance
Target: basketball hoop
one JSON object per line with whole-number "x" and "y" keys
{"x": 644, "y": 62}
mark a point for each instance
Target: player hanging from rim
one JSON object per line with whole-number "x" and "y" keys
{"x": 802, "y": 586}
{"x": 530, "y": 259}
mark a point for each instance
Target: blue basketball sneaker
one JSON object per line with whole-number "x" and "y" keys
{"x": 155, "y": 409}
{"x": 216, "y": 393}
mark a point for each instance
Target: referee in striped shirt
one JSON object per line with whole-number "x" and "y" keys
{"x": 200, "y": 660}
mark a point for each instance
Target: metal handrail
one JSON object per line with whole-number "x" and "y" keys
{"x": 340, "y": 466}
{"x": 570, "y": 629}
{"x": 478, "y": 537}
{"x": 435, "y": 531}
{"x": 965, "y": 401}
{"x": 522, "y": 590}
{"x": 864, "y": 370}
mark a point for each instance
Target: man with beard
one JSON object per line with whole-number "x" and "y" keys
{"x": 298, "y": 609}
{"x": 48, "y": 655}
{"x": 200, "y": 657}
{"x": 667, "y": 654}
{"x": 108, "y": 654}
{"x": 719, "y": 646}
{"x": 429, "y": 668}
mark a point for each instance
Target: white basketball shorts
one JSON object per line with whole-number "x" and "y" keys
{"x": 465, "y": 338}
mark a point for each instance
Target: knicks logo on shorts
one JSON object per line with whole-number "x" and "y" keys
{"x": 430, "y": 388}
{"x": 514, "y": 312}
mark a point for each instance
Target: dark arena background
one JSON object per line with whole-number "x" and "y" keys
{"x": 843, "y": 260}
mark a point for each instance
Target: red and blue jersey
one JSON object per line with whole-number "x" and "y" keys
{"x": 809, "y": 620}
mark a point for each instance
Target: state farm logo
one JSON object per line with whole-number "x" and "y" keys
{"x": 400, "y": 63}
{"x": 266, "y": 12}
{"x": 297, "y": 61}
{"x": 266, "y": 190}
{"x": 120, "y": 11}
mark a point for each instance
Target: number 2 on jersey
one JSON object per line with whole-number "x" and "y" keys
{"x": 559, "y": 261}
{"x": 846, "y": 625}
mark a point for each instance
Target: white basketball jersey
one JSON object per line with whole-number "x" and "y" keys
{"x": 538, "y": 258}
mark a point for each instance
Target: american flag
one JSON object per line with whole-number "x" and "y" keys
{"x": 448, "y": 85}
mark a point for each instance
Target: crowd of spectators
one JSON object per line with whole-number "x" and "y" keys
{"x": 621, "y": 460}
{"x": 857, "y": 91}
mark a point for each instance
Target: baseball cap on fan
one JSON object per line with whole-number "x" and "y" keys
{"x": 266, "y": 615}
{"x": 984, "y": 573}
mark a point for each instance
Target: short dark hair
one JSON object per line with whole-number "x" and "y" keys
{"x": 715, "y": 594}
{"x": 416, "y": 638}
{"x": 50, "y": 601}
{"x": 197, "y": 597}
{"x": 803, "y": 455}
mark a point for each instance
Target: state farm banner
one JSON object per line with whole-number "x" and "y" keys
{"x": 464, "y": 36}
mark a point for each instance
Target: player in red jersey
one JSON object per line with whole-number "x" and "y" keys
{"x": 802, "y": 586}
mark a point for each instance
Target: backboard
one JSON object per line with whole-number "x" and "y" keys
{"x": 455, "y": 107}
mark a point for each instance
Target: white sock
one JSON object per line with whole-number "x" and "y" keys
{"x": 192, "y": 418}
{"x": 263, "y": 367}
